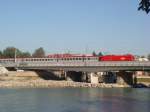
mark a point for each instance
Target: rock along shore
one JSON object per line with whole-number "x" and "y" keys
{"x": 31, "y": 79}
{"x": 52, "y": 84}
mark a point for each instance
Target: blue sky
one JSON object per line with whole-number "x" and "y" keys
{"x": 78, "y": 26}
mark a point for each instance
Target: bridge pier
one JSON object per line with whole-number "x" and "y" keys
{"x": 73, "y": 76}
{"x": 93, "y": 78}
{"x": 84, "y": 77}
{"x": 124, "y": 78}
{"x": 108, "y": 77}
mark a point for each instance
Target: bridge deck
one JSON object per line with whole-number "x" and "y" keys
{"x": 81, "y": 65}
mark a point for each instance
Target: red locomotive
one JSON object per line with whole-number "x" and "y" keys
{"x": 127, "y": 57}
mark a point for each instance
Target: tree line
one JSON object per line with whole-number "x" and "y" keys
{"x": 12, "y": 52}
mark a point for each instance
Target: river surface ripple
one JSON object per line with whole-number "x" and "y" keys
{"x": 75, "y": 100}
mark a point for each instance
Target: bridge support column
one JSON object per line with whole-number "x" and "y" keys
{"x": 109, "y": 77}
{"x": 100, "y": 77}
{"x": 93, "y": 78}
{"x": 124, "y": 78}
{"x": 84, "y": 77}
{"x": 134, "y": 78}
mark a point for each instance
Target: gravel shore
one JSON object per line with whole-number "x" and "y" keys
{"x": 50, "y": 84}
{"x": 30, "y": 79}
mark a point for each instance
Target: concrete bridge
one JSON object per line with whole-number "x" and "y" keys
{"x": 83, "y": 66}
{"x": 122, "y": 68}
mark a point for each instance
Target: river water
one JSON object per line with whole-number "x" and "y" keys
{"x": 75, "y": 100}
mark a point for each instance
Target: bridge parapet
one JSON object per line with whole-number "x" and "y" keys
{"x": 82, "y": 64}
{"x": 77, "y": 65}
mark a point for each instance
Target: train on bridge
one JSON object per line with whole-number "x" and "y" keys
{"x": 127, "y": 57}
{"x": 75, "y": 57}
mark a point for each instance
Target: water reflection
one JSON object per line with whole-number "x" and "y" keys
{"x": 75, "y": 99}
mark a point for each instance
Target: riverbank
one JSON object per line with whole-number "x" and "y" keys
{"x": 39, "y": 83}
{"x": 32, "y": 79}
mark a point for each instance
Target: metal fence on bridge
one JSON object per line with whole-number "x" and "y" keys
{"x": 85, "y": 65}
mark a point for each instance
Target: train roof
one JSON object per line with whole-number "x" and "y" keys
{"x": 69, "y": 55}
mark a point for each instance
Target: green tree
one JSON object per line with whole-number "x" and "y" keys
{"x": 39, "y": 53}
{"x": 144, "y": 5}
{"x": 100, "y": 54}
{"x": 94, "y": 53}
{"x": 9, "y": 52}
{"x": 1, "y": 54}
{"x": 25, "y": 55}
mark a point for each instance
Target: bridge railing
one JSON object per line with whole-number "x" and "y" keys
{"x": 51, "y": 62}
{"x": 84, "y": 64}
